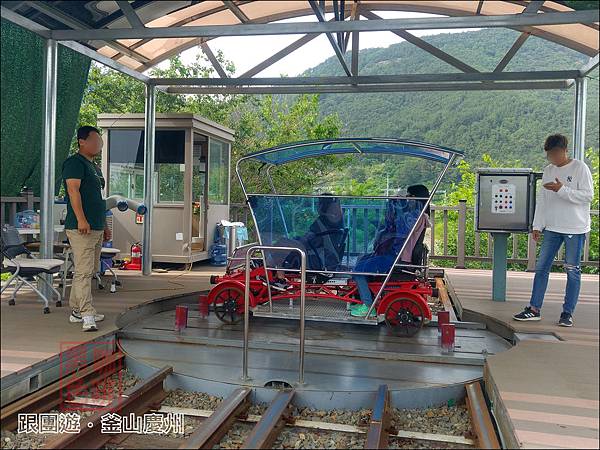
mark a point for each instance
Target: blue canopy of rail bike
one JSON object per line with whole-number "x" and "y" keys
{"x": 299, "y": 150}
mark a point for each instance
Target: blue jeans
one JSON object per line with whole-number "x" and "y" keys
{"x": 550, "y": 245}
{"x": 363, "y": 289}
{"x": 370, "y": 263}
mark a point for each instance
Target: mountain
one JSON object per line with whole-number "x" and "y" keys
{"x": 509, "y": 125}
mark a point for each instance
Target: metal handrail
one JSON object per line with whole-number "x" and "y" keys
{"x": 302, "y": 271}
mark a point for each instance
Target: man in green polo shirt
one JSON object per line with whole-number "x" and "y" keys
{"x": 85, "y": 223}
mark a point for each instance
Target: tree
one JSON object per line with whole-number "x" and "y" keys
{"x": 594, "y": 160}
{"x": 111, "y": 91}
{"x": 265, "y": 122}
{"x": 259, "y": 122}
{"x": 465, "y": 190}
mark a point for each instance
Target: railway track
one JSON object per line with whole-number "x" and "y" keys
{"x": 56, "y": 393}
{"x": 212, "y": 425}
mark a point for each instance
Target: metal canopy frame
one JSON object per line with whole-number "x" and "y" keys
{"x": 535, "y": 18}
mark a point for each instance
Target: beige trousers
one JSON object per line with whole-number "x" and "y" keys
{"x": 86, "y": 257}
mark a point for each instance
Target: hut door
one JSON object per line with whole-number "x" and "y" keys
{"x": 199, "y": 200}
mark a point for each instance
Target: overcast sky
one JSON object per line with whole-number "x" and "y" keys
{"x": 246, "y": 52}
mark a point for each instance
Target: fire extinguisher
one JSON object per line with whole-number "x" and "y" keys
{"x": 136, "y": 258}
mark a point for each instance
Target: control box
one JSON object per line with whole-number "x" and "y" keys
{"x": 505, "y": 200}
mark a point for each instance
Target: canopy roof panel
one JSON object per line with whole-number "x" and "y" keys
{"x": 284, "y": 154}
{"x": 142, "y": 54}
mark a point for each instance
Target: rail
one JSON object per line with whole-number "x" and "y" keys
{"x": 265, "y": 432}
{"x": 54, "y": 394}
{"x": 250, "y": 251}
{"x": 480, "y": 417}
{"x": 380, "y": 424}
{"x": 137, "y": 400}
{"x": 452, "y": 236}
{"x": 220, "y": 421}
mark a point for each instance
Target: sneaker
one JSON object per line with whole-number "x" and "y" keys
{"x": 277, "y": 284}
{"x": 361, "y": 311}
{"x": 527, "y": 314}
{"x": 565, "y": 320}
{"x": 89, "y": 324}
{"x": 75, "y": 317}
{"x": 280, "y": 285}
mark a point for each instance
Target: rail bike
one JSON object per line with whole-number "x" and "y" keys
{"x": 366, "y": 260}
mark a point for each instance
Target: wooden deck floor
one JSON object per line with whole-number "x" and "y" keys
{"x": 29, "y": 336}
{"x": 545, "y": 392}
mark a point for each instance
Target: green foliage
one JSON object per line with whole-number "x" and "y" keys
{"x": 353, "y": 187}
{"x": 109, "y": 91}
{"x": 268, "y": 121}
{"x": 594, "y": 162}
{"x": 259, "y": 122}
{"x": 592, "y": 155}
{"x": 581, "y": 4}
{"x": 495, "y": 128}
{"x": 509, "y": 125}
{"x": 465, "y": 190}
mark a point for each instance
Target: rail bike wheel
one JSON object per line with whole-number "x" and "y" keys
{"x": 228, "y": 304}
{"x": 404, "y": 317}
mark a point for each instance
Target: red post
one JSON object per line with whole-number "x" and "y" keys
{"x": 203, "y": 306}
{"x": 448, "y": 335}
{"x": 443, "y": 317}
{"x": 181, "y": 315}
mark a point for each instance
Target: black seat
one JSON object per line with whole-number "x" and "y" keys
{"x": 419, "y": 257}
{"x": 420, "y": 251}
{"x": 324, "y": 260}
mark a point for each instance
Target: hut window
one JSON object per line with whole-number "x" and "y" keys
{"x": 218, "y": 172}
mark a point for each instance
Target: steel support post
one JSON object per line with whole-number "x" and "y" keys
{"x": 232, "y": 241}
{"x": 579, "y": 118}
{"x": 499, "y": 267}
{"x": 149, "y": 125}
{"x": 531, "y": 253}
{"x": 462, "y": 231}
{"x": 48, "y": 158}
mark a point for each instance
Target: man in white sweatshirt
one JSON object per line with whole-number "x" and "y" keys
{"x": 562, "y": 215}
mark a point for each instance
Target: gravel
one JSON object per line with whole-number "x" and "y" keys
{"x": 449, "y": 420}
{"x": 343, "y": 416}
{"x": 14, "y": 440}
{"x": 452, "y": 420}
{"x": 112, "y": 386}
{"x": 412, "y": 443}
{"x": 195, "y": 400}
{"x": 436, "y": 305}
{"x": 297, "y": 438}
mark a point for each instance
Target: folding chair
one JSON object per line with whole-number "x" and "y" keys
{"x": 23, "y": 267}
{"x": 63, "y": 252}
{"x": 107, "y": 253}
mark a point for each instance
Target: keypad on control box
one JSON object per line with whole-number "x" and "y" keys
{"x": 503, "y": 198}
